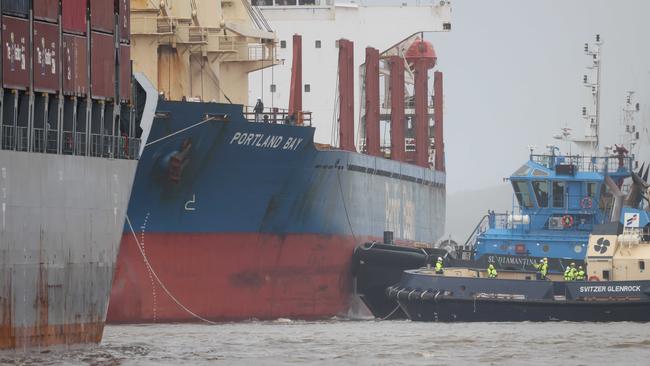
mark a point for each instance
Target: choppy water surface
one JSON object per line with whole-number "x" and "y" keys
{"x": 372, "y": 342}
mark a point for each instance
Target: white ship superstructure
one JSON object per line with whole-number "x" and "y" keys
{"x": 322, "y": 23}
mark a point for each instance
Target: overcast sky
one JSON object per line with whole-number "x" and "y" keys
{"x": 513, "y": 77}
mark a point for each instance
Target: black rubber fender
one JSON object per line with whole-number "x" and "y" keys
{"x": 403, "y": 294}
{"x": 415, "y": 294}
{"x": 391, "y": 291}
{"x": 436, "y": 297}
{"x": 428, "y": 295}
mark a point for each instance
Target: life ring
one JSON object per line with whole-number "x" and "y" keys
{"x": 594, "y": 279}
{"x": 586, "y": 202}
{"x": 567, "y": 221}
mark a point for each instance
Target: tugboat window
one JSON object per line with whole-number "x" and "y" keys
{"x": 523, "y": 171}
{"x": 606, "y": 198}
{"x": 541, "y": 192}
{"x": 605, "y": 275}
{"x": 591, "y": 189}
{"x": 558, "y": 194}
{"x": 642, "y": 265}
{"x": 522, "y": 193}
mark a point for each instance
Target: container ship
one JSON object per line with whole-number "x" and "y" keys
{"x": 239, "y": 213}
{"x": 68, "y": 155}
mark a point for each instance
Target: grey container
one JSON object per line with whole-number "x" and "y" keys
{"x": 19, "y": 8}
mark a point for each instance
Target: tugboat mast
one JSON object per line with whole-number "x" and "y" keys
{"x": 630, "y": 136}
{"x": 590, "y": 142}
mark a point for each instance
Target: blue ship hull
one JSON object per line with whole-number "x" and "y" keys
{"x": 232, "y": 218}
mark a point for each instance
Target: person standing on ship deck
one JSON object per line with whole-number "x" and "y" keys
{"x": 439, "y": 266}
{"x": 258, "y": 109}
{"x": 542, "y": 268}
{"x": 491, "y": 271}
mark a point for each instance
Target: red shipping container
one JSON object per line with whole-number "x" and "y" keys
{"x": 15, "y": 53}
{"x": 102, "y": 66}
{"x": 102, "y": 15}
{"x": 47, "y": 10}
{"x": 125, "y": 72}
{"x": 73, "y": 15}
{"x": 46, "y": 57}
{"x": 124, "y": 16}
{"x": 75, "y": 65}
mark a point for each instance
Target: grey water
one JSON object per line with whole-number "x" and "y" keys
{"x": 369, "y": 342}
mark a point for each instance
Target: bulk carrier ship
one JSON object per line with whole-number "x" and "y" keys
{"x": 68, "y": 150}
{"x": 237, "y": 216}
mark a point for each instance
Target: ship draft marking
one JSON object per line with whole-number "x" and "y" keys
{"x": 189, "y": 204}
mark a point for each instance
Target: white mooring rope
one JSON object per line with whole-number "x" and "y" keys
{"x": 146, "y": 261}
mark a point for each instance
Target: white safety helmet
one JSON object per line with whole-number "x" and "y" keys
{"x": 439, "y": 258}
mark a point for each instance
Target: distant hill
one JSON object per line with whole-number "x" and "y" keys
{"x": 465, "y": 209}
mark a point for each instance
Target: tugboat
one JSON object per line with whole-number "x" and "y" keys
{"x": 617, "y": 286}
{"x": 558, "y": 201}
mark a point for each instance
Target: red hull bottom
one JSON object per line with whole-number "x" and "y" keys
{"x": 226, "y": 277}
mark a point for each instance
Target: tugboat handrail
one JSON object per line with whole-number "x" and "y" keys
{"x": 482, "y": 225}
{"x": 596, "y": 164}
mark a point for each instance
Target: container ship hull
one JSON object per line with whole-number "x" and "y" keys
{"x": 58, "y": 244}
{"x": 234, "y": 220}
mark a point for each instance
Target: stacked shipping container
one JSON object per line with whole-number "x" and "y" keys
{"x": 45, "y": 49}
{"x": 15, "y": 53}
{"x": 124, "y": 35}
{"x": 46, "y": 10}
{"x": 75, "y": 61}
{"x": 49, "y": 59}
{"x": 70, "y": 55}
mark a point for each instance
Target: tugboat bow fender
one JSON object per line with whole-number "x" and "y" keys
{"x": 399, "y": 293}
{"x": 436, "y": 297}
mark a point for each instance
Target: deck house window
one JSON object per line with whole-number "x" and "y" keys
{"x": 541, "y": 192}
{"x": 605, "y": 275}
{"x": 590, "y": 189}
{"x": 522, "y": 193}
{"x": 558, "y": 194}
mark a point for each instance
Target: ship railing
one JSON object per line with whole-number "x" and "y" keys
{"x": 292, "y": 2}
{"x": 14, "y": 138}
{"x": 74, "y": 143}
{"x": 602, "y": 164}
{"x": 277, "y": 116}
{"x": 635, "y": 235}
{"x": 151, "y": 24}
{"x": 126, "y": 147}
{"x": 121, "y": 147}
{"x": 52, "y": 141}
{"x": 44, "y": 141}
{"x": 21, "y": 140}
{"x": 8, "y": 138}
